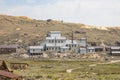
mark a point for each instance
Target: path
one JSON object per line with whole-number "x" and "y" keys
{"x": 113, "y": 61}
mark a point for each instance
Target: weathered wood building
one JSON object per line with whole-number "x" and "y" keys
{"x": 6, "y": 49}
{"x": 3, "y": 66}
{"x": 20, "y": 66}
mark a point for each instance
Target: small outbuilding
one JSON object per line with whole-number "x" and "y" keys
{"x": 64, "y": 49}
{"x": 115, "y": 51}
{"x": 35, "y": 50}
{"x": 98, "y": 48}
{"x": 4, "y": 67}
{"x": 20, "y": 66}
{"x": 90, "y": 49}
{"x": 6, "y": 49}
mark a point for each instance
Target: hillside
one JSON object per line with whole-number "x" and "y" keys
{"x": 27, "y": 31}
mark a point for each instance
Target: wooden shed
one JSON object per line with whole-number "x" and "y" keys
{"x": 4, "y": 75}
{"x": 20, "y": 66}
{"x": 98, "y": 48}
{"x": 4, "y": 66}
{"x": 6, "y": 49}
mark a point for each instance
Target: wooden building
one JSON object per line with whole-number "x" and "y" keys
{"x": 115, "y": 51}
{"x": 98, "y": 48}
{"x": 4, "y": 67}
{"x": 20, "y": 66}
{"x": 6, "y": 49}
{"x": 4, "y": 75}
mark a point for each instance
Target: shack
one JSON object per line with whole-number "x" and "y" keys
{"x": 115, "y": 51}
{"x": 98, "y": 48}
{"x": 4, "y": 75}
{"x": 4, "y": 67}
{"x": 6, "y": 49}
{"x": 35, "y": 50}
{"x": 90, "y": 49}
{"x": 20, "y": 66}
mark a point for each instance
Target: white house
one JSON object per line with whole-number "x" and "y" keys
{"x": 35, "y": 50}
{"x": 90, "y": 49}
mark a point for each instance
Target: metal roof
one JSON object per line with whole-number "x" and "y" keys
{"x": 53, "y": 44}
{"x": 54, "y": 32}
{"x": 90, "y": 47}
{"x": 64, "y": 47}
{"x": 9, "y": 74}
{"x": 35, "y": 47}
{"x": 56, "y": 38}
{"x": 115, "y": 52}
{"x": 70, "y": 42}
{"x": 97, "y": 46}
{"x": 115, "y": 47}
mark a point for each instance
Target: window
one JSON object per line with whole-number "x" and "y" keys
{"x": 75, "y": 45}
{"x": 52, "y": 41}
{"x": 52, "y": 48}
{"x": 58, "y": 41}
{"x": 56, "y": 48}
{"x": 49, "y": 48}
{"x": 67, "y": 45}
{"x": 72, "y": 45}
{"x": 61, "y": 41}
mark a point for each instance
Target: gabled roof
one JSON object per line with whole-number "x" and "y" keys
{"x": 35, "y": 47}
{"x": 9, "y": 74}
{"x": 4, "y": 66}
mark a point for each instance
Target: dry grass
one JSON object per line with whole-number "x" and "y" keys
{"x": 14, "y": 29}
{"x": 56, "y": 69}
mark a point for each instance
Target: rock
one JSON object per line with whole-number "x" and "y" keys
{"x": 69, "y": 70}
{"x": 18, "y": 29}
{"x": 20, "y": 40}
{"x": 25, "y": 55}
{"x": 45, "y": 55}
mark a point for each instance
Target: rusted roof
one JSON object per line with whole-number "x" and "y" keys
{"x": 9, "y": 75}
{"x": 8, "y": 46}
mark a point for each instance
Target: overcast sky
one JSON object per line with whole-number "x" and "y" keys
{"x": 91, "y": 12}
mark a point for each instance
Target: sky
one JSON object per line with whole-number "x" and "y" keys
{"x": 90, "y": 12}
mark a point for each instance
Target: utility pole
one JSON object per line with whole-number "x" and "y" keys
{"x": 72, "y": 37}
{"x": 86, "y": 42}
{"x": 55, "y": 42}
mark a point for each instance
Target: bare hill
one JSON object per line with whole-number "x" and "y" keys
{"x": 27, "y": 31}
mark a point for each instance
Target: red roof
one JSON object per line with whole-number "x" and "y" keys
{"x": 9, "y": 74}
